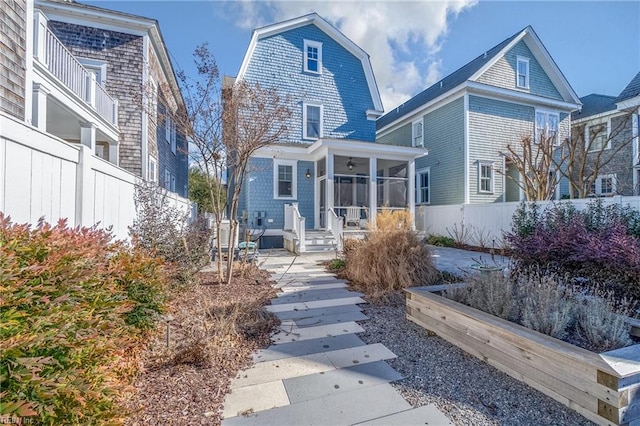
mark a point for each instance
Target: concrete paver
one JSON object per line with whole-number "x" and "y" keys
{"x": 295, "y": 334}
{"x": 257, "y": 398}
{"x": 317, "y": 312}
{"x": 330, "y": 319}
{"x": 314, "y": 304}
{"x": 313, "y": 295}
{"x": 425, "y": 415}
{"x": 307, "y": 347}
{"x": 344, "y": 408}
{"x": 328, "y": 383}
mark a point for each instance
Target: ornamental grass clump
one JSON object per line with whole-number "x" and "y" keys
{"x": 390, "y": 258}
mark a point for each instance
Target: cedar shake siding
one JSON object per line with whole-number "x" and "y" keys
{"x": 13, "y": 57}
{"x": 123, "y": 54}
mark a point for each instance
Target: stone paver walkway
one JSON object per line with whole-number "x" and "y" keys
{"x": 318, "y": 371}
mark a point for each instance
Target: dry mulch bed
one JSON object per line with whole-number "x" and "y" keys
{"x": 214, "y": 330}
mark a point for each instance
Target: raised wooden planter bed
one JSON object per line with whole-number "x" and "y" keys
{"x": 604, "y": 388}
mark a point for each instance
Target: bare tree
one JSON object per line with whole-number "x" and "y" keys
{"x": 253, "y": 117}
{"x": 591, "y": 148}
{"x": 537, "y": 163}
{"x": 201, "y": 122}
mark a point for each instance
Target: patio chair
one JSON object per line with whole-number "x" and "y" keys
{"x": 353, "y": 216}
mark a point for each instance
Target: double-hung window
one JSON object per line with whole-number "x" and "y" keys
{"x": 152, "y": 169}
{"x": 311, "y": 121}
{"x": 423, "y": 183}
{"x": 604, "y": 185}
{"x": 285, "y": 179}
{"x": 522, "y": 68}
{"x": 417, "y": 134}
{"x": 547, "y": 126}
{"x": 485, "y": 176}
{"x": 596, "y": 137}
{"x": 312, "y": 57}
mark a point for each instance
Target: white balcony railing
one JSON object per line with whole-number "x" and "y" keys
{"x": 295, "y": 223}
{"x": 50, "y": 51}
{"x": 336, "y": 227}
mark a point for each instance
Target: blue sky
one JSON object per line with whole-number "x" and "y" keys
{"x": 413, "y": 44}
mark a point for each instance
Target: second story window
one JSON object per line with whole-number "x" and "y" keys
{"x": 522, "y": 79}
{"x": 417, "y": 133}
{"x": 312, "y": 57}
{"x": 170, "y": 132}
{"x": 311, "y": 121}
{"x": 547, "y": 126}
{"x": 596, "y": 137}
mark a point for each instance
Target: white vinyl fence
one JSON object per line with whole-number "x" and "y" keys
{"x": 43, "y": 176}
{"x": 484, "y": 224}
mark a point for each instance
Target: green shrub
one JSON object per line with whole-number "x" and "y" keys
{"x": 441, "y": 241}
{"x": 66, "y": 296}
{"x": 336, "y": 265}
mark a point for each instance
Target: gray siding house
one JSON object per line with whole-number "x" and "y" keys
{"x": 609, "y": 126}
{"x": 467, "y": 119}
{"x": 100, "y": 78}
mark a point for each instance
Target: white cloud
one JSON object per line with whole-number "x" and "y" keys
{"x": 402, "y": 37}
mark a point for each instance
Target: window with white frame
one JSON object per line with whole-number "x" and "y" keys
{"x": 485, "y": 176}
{"x": 285, "y": 179}
{"x": 547, "y": 126}
{"x": 151, "y": 176}
{"x": 172, "y": 185}
{"x": 170, "y": 132}
{"x": 313, "y": 57}
{"x": 604, "y": 185}
{"x": 596, "y": 137}
{"x": 167, "y": 179}
{"x": 522, "y": 68}
{"x": 97, "y": 67}
{"x": 311, "y": 121}
{"x": 417, "y": 133}
{"x": 423, "y": 186}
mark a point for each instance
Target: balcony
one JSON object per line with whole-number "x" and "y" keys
{"x": 60, "y": 62}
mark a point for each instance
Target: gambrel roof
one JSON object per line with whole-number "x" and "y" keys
{"x": 331, "y": 31}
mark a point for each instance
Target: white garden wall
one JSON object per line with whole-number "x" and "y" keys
{"x": 43, "y": 176}
{"x": 488, "y": 221}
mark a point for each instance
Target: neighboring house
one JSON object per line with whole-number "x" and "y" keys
{"x": 85, "y": 82}
{"x": 75, "y": 137}
{"x": 328, "y": 164}
{"x": 608, "y": 126}
{"x": 467, "y": 119}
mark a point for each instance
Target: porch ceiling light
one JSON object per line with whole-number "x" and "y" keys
{"x": 308, "y": 174}
{"x": 350, "y": 164}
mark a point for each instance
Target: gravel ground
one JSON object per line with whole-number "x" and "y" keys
{"x": 467, "y": 390}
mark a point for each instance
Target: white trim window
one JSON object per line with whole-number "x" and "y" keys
{"x": 423, "y": 186}
{"x": 285, "y": 180}
{"x": 417, "y": 133}
{"x": 312, "y": 57}
{"x": 312, "y": 120}
{"x": 97, "y": 67}
{"x": 596, "y": 136}
{"x": 485, "y": 177}
{"x": 547, "y": 125}
{"x": 169, "y": 129}
{"x": 167, "y": 179}
{"x": 172, "y": 185}
{"x": 152, "y": 172}
{"x": 604, "y": 185}
{"x": 522, "y": 72}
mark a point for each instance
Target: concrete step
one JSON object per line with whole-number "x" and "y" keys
{"x": 312, "y": 346}
{"x": 314, "y": 304}
{"x": 425, "y": 415}
{"x": 315, "y": 248}
{"x": 318, "y": 312}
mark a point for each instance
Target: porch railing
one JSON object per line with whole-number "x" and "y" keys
{"x": 295, "y": 222}
{"x": 50, "y": 51}
{"x": 336, "y": 226}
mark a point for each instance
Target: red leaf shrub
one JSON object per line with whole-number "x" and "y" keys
{"x": 598, "y": 245}
{"x": 66, "y": 297}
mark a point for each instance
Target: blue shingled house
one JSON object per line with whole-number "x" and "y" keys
{"x": 465, "y": 120}
{"x": 327, "y": 174}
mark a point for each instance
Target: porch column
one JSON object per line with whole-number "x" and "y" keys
{"x": 88, "y": 136}
{"x": 39, "y": 108}
{"x": 411, "y": 189}
{"x": 330, "y": 186}
{"x": 40, "y": 36}
{"x": 373, "y": 191}
{"x": 113, "y": 152}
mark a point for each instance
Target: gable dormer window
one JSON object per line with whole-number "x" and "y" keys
{"x": 312, "y": 57}
{"x": 522, "y": 68}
